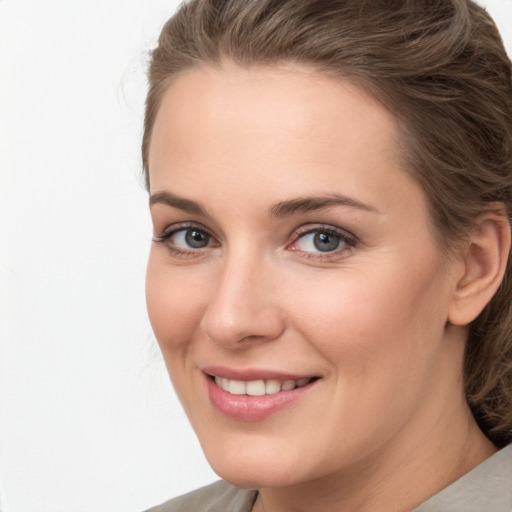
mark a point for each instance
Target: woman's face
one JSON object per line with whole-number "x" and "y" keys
{"x": 292, "y": 250}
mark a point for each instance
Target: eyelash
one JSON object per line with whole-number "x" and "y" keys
{"x": 349, "y": 242}
{"x": 166, "y": 235}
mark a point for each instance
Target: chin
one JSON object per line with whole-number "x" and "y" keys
{"x": 255, "y": 469}
{"x": 256, "y": 477}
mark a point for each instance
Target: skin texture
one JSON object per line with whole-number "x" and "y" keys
{"x": 386, "y": 425}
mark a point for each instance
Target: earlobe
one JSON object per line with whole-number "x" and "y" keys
{"x": 484, "y": 265}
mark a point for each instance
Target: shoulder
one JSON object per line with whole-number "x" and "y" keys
{"x": 487, "y": 487}
{"x": 217, "y": 497}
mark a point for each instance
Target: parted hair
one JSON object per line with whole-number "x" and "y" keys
{"x": 439, "y": 66}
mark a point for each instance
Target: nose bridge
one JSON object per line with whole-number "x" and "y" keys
{"x": 243, "y": 306}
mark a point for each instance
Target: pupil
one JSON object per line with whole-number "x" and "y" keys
{"x": 196, "y": 239}
{"x": 325, "y": 242}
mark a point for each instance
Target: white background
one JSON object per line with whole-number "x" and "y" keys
{"x": 88, "y": 420}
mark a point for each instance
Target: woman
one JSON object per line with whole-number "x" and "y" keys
{"x": 330, "y": 187}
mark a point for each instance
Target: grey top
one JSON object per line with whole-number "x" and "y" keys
{"x": 487, "y": 488}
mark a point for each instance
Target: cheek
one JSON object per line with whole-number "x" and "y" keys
{"x": 174, "y": 305}
{"x": 362, "y": 319}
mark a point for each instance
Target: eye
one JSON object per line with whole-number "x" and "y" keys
{"x": 190, "y": 238}
{"x": 320, "y": 241}
{"x": 186, "y": 240}
{"x": 323, "y": 241}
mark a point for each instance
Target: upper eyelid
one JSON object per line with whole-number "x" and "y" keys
{"x": 296, "y": 232}
{"x": 309, "y": 228}
{"x": 179, "y": 226}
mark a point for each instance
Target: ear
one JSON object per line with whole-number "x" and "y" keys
{"x": 484, "y": 264}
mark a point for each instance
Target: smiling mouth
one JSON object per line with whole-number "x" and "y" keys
{"x": 252, "y": 395}
{"x": 260, "y": 387}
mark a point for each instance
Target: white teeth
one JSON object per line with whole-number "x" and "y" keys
{"x": 237, "y": 387}
{"x": 259, "y": 387}
{"x": 256, "y": 387}
{"x": 302, "y": 382}
{"x": 272, "y": 387}
{"x": 287, "y": 385}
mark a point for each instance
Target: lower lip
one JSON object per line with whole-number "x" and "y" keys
{"x": 253, "y": 408}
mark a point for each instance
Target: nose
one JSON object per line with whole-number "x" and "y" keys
{"x": 243, "y": 308}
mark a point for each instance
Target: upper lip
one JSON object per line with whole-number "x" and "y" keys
{"x": 250, "y": 374}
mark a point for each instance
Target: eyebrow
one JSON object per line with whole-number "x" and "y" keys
{"x": 309, "y": 204}
{"x": 281, "y": 209}
{"x": 187, "y": 205}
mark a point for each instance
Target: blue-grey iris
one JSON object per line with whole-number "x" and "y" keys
{"x": 196, "y": 239}
{"x": 326, "y": 242}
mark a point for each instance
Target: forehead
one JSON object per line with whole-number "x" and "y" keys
{"x": 285, "y": 128}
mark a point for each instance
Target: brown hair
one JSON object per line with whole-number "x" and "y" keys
{"x": 440, "y": 67}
